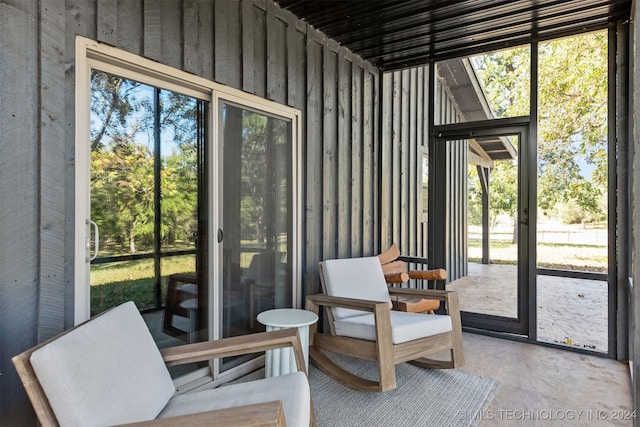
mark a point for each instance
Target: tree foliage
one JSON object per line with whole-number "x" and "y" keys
{"x": 572, "y": 126}
{"x": 123, "y": 161}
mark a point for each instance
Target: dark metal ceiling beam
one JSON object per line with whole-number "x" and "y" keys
{"x": 394, "y": 34}
{"x": 479, "y": 35}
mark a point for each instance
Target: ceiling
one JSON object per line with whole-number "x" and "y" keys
{"x": 396, "y": 34}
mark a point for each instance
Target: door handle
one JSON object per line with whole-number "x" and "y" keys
{"x": 96, "y": 234}
{"x": 524, "y": 219}
{"x": 220, "y": 235}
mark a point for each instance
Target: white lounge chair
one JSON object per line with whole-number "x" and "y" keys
{"x": 109, "y": 371}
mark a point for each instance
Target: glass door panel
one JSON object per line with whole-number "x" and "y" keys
{"x": 573, "y": 190}
{"x": 488, "y": 261}
{"x": 257, "y": 218}
{"x": 147, "y": 148}
{"x": 492, "y": 239}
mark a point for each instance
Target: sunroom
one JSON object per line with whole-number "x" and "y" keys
{"x": 201, "y": 157}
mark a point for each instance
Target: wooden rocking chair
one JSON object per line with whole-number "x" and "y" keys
{"x": 362, "y": 324}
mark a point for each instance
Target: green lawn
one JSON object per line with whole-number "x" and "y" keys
{"x": 118, "y": 282}
{"x": 114, "y": 283}
{"x": 567, "y": 256}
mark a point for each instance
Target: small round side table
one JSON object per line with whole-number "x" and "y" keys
{"x": 282, "y": 361}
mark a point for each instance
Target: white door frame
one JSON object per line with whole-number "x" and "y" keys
{"x": 92, "y": 55}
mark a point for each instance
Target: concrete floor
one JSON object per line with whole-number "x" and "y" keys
{"x": 538, "y": 385}
{"x": 548, "y": 386}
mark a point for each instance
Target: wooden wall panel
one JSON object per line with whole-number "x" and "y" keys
{"x": 329, "y": 150}
{"x": 454, "y": 176}
{"x": 198, "y": 38}
{"x": 344, "y": 154}
{"x": 357, "y": 138}
{"x": 276, "y": 54}
{"x": 152, "y": 27}
{"x": 254, "y": 47}
{"x": 396, "y": 143}
{"x": 51, "y": 301}
{"x": 19, "y": 183}
{"x": 386, "y": 178}
{"x": 371, "y": 171}
{"x": 313, "y": 162}
{"x": 107, "y": 21}
{"x": 129, "y": 27}
{"x": 412, "y": 176}
{"x": 171, "y": 31}
{"x": 634, "y": 164}
{"x": 228, "y": 42}
{"x": 404, "y": 138}
{"x": 296, "y": 65}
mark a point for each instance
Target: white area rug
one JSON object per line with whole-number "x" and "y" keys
{"x": 424, "y": 397}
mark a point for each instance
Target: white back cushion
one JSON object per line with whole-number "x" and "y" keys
{"x": 360, "y": 278}
{"x": 108, "y": 371}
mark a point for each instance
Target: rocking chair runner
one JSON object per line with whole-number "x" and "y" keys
{"x": 362, "y": 325}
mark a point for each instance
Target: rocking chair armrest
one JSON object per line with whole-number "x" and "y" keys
{"x": 423, "y": 293}
{"x": 397, "y": 278}
{"x": 235, "y": 346}
{"x": 449, "y": 297}
{"x": 438, "y": 274}
{"x": 259, "y": 414}
{"x": 351, "y": 303}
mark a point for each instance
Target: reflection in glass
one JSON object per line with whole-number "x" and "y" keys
{"x": 490, "y": 86}
{"x": 491, "y": 287}
{"x": 146, "y": 149}
{"x": 257, "y": 218}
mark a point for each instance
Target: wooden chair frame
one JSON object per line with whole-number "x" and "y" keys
{"x": 262, "y": 414}
{"x": 382, "y": 350}
{"x": 396, "y": 272}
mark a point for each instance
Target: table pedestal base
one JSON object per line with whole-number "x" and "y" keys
{"x": 282, "y": 361}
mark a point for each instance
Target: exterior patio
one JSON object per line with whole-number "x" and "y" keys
{"x": 570, "y": 311}
{"x": 364, "y": 99}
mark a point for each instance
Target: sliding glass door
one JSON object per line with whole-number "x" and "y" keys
{"x": 186, "y": 203}
{"x": 256, "y": 216}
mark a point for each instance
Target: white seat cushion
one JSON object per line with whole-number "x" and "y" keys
{"x": 108, "y": 371}
{"x": 404, "y": 326}
{"x": 360, "y": 278}
{"x": 292, "y": 389}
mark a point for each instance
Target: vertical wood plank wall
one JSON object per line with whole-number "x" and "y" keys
{"x": 455, "y": 188}
{"x": 404, "y": 133}
{"x": 405, "y": 137}
{"x": 19, "y": 198}
{"x": 251, "y": 45}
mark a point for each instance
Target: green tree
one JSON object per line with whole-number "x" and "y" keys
{"x": 503, "y": 193}
{"x": 572, "y": 103}
{"x": 122, "y": 180}
{"x": 122, "y": 172}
